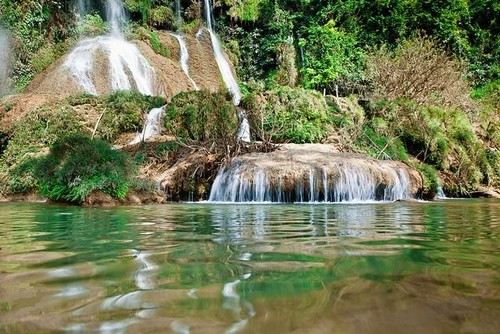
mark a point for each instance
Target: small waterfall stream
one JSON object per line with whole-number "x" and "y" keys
{"x": 4, "y": 62}
{"x": 184, "y": 59}
{"x": 224, "y": 67}
{"x": 125, "y": 61}
{"x": 227, "y": 75}
{"x": 152, "y": 127}
{"x": 242, "y": 181}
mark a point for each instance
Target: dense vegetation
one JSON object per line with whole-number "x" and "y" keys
{"x": 66, "y": 128}
{"x": 417, "y": 81}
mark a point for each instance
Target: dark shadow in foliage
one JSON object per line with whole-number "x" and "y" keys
{"x": 4, "y": 140}
{"x": 78, "y": 165}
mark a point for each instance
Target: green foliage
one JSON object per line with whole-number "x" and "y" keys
{"x": 122, "y": 111}
{"x": 380, "y": 146}
{"x": 288, "y": 115}
{"x": 155, "y": 13}
{"x": 76, "y": 166}
{"x": 332, "y": 57}
{"x": 430, "y": 178}
{"x": 244, "y": 10}
{"x": 202, "y": 115}
{"x": 157, "y": 45}
{"x": 162, "y": 17}
{"x": 36, "y": 25}
{"x": 39, "y": 129}
{"x": 92, "y": 25}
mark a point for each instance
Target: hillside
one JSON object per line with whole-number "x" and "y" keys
{"x": 407, "y": 81}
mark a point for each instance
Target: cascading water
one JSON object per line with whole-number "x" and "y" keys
{"x": 83, "y": 7}
{"x": 224, "y": 67}
{"x": 152, "y": 127}
{"x": 124, "y": 58}
{"x": 178, "y": 16}
{"x": 227, "y": 74}
{"x": 4, "y": 62}
{"x": 242, "y": 181}
{"x": 184, "y": 59}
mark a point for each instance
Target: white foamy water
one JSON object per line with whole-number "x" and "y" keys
{"x": 340, "y": 182}
{"x": 128, "y": 69}
{"x": 4, "y": 62}
{"x": 152, "y": 127}
{"x": 184, "y": 59}
{"x": 116, "y": 16}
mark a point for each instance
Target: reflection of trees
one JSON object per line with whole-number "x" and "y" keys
{"x": 90, "y": 234}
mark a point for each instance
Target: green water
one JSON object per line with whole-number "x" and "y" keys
{"x": 204, "y": 268}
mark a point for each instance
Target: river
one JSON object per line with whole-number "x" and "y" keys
{"x": 404, "y": 267}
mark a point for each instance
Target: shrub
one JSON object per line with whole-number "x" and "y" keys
{"x": 77, "y": 165}
{"x": 124, "y": 112}
{"x": 430, "y": 178}
{"x": 92, "y": 25}
{"x": 380, "y": 146}
{"x": 420, "y": 71}
{"x": 202, "y": 115}
{"x": 331, "y": 57}
{"x": 288, "y": 115}
{"x": 40, "y": 128}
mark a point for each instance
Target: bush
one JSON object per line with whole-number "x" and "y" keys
{"x": 124, "y": 112}
{"x": 420, "y": 71}
{"x": 430, "y": 178}
{"x": 380, "y": 146}
{"x": 92, "y": 25}
{"x": 157, "y": 45}
{"x": 202, "y": 115}
{"x": 77, "y": 165}
{"x": 288, "y": 115}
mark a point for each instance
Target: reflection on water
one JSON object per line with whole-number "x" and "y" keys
{"x": 204, "y": 268}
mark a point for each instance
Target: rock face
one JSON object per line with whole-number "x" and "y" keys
{"x": 313, "y": 173}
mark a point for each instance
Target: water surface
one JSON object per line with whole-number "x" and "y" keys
{"x": 205, "y": 268}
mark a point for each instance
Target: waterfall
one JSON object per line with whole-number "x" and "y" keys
{"x": 227, "y": 75}
{"x": 184, "y": 59}
{"x": 224, "y": 67}
{"x": 178, "y": 17}
{"x": 247, "y": 181}
{"x": 4, "y": 62}
{"x": 128, "y": 69}
{"x": 83, "y": 8}
{"x": 440, "y": 193}
{"x": 152, "y": 127}
{"x": 115, "y": 14}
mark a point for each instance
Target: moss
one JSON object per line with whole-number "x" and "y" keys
{"x": 202, "y": 115}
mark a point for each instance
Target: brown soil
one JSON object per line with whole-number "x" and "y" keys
{"x": 19, "y": 105}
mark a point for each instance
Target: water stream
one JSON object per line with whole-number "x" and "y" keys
{"x": 152, "y": 127}
{"x": 184, "y": 59}
{"x": 227, "y": 75}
